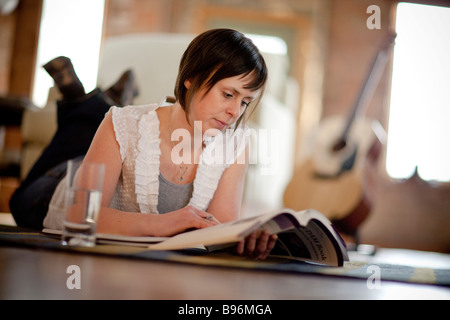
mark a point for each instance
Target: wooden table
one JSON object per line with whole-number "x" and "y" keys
{"x": 43, "y": 274}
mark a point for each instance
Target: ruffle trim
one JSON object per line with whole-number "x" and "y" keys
{"x": 147, "y": 163}
{"x": 205, "y": 184}
{"x": 214, "y": 160}
{"x": 209, "y": 171}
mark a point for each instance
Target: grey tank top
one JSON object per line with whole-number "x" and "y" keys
{"x": 173, "y": 196}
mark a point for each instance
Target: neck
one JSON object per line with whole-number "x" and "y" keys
{"x": 192, "y": 138}
{"x": 179, "y": 119}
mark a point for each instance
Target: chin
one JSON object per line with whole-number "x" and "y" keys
{"x": 212, "y": 132}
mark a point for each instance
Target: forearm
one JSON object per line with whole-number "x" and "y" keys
{"x": 158, "y": 225}
{"x": 125, "y": 223}
{"x": 227, "y": 201}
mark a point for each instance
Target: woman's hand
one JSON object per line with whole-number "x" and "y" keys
{"x": 257, "y": 247}
{"x": 184, "y": 219}
{"x": 157, "y": 225}
{"x": 254, "y": 246}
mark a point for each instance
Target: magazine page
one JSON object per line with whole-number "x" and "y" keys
{"x": 226, "y": 233}
{"x": 281, "y": 222}
{"x": 311, "y": 243}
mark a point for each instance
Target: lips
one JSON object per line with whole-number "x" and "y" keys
{"x": 221, "y": 124}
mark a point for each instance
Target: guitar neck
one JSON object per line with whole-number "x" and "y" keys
{"x": 368, "y": 89}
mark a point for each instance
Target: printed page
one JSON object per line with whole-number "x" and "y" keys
{"x": 231, "y": 232}
{"x": 309, "y": 243}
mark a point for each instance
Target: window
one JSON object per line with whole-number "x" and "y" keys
{"x": 419, "y": 120}
{"x": 71, "y": 28}
{"x": 269, "y": 44}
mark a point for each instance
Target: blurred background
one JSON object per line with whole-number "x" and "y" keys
{"x": 319, "y": 55}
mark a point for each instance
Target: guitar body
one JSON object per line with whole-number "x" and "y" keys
{"x": 331, "y": 181}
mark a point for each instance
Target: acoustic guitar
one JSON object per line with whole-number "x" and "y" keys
{"x": 331, "y": 179}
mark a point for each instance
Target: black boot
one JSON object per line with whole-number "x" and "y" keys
{"x": 124, "y": 90}
{"x": 65, "y": 77}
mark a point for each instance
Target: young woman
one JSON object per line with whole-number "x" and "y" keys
{"x": 196, "y": 182}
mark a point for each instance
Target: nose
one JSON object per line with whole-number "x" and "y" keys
{"x": 234, "y": 109}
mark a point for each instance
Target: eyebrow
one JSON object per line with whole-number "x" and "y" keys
{"x": 235, "y": 91}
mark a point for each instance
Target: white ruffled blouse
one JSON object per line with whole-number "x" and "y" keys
{"x": 137, "y": 133}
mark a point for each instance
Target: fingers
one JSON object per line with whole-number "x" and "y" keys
{"x": 251, "y": 244}
{"x": 264, "y": 246}
{"x": 270, "y": 244}
{"x": 200, "y": 218}
{"x": 187, "y": 218}
{"x": 261, "y": 248}
{"x": 240, "y": 248}
{"x": 203, "y": 214}
{"x": 257, "y": 247}
{"x": 211, "y": 218}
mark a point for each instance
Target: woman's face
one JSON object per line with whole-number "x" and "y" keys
{"x": 223, "y": 104}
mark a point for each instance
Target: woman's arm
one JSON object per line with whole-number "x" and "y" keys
{"x": 156, "y": 225}
{"x": 226, "y": 205}
{"x": 227, "y": 200}
{"x": 105, "y": 149}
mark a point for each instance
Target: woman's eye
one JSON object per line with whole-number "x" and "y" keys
{"x": 245, "y": 104}
{"x": 227, "y": 95}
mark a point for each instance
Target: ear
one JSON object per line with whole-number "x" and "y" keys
{"x": 187, "y": 84}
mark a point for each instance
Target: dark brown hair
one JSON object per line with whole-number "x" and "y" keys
{"x": 215, "y": 55}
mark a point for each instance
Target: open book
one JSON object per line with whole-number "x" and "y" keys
{"x": 305, "y": 235}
